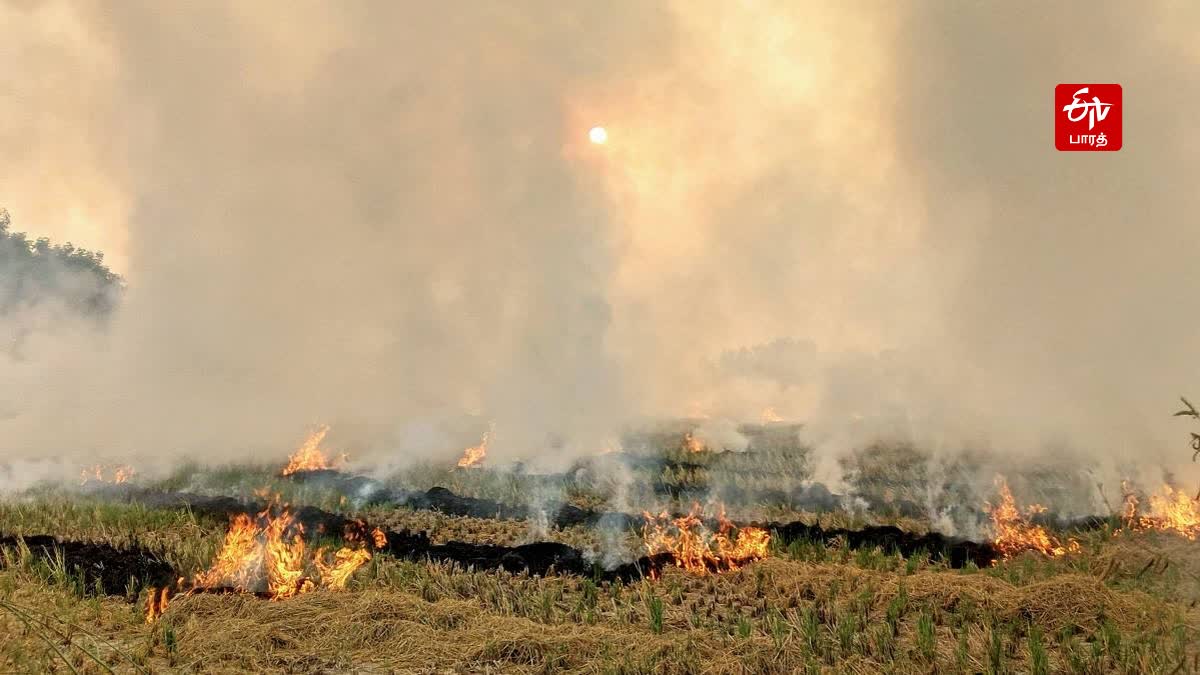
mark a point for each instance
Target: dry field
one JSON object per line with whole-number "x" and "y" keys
{"x": 1120, "y": 603}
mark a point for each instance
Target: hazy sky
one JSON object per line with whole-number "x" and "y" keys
{"x": 381, "y": 214}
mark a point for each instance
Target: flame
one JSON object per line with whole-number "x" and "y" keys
{"x": 156, "y": 603}
{"x": 378, "y": 538}
{"x": 692, "y": 444}
{"x": 120, "y": 473}
{"x": 696, "y": 548}
{"x": 268, "y": 551}
{"x": 240, "y": 558}
{"x": 309, "y": 457}
{"x": 356, "y": 532}
{"x": 1170, "y": 510}
{"x": 769, "y": 415}
{"x": 345, "y": 562}
{"x": 1015, "y": 534}
{"x": 474, "y": 455}
{"x": 285, "y": 558}
{"x": 273, "y": 546}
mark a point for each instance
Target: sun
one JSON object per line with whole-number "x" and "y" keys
{"x": 598, "y": 135}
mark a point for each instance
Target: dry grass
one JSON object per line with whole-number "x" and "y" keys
{"x": 1163, "y": 564}
{"x": 776, "y": 616}
{"x": 47, "y": 628}
{"x": 1125, "y": 604}
{"x": 443, "y": 528}
{"x": 381, "y": 630}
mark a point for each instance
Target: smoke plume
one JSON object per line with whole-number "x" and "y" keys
{"x": 388, "y": 217}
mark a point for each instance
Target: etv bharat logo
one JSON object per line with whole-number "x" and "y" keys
{"x": 1087, "y": 117}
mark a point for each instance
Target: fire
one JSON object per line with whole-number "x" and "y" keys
{"x": 285, "y": 558}
{"x": 309, "y": 457}
{"x": 156, "y": 604}
{"x": 268, "y": 553}
{"x": 345, "y": 562}
{"x": 692, "y": 444}
{"x": 696, "y": 548}
{"x": 1014, "y": 533}
{"x": 473, "y": 456}
{"x": 378, "y": 538}
{"x": 271, "y": 548}
{"x": 769, "y": 416}
{"x": 240, "y": 559}
{"x": 1170, "y": 510}
{"x": 100, "y": 473}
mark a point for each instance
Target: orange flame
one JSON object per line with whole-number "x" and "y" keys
{"x": 100, "y": 473}
{"x": 474, "y": 455}
{"x": 1170, "y": 510}
{"x": 268, "y": 552}
{"x": 378, "y": 538}
{"x": 696, "y": 548}
{"x": 309, "y": 457}
{"x": 1014, "y": 533}
{"x": 769, "y": 416}
{"x": 345, "y": 562}
{"x": 156, "y": 604}
{"x": 285, "y": 558}
{"x": 692, "y": 444}
{"x": 240, "y": 559}
{"x": 273, "y": 547}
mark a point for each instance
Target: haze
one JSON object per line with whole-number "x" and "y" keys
{"x": 388, "y": 216}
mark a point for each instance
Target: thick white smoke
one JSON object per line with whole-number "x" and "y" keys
{"x": 385, "y": 216}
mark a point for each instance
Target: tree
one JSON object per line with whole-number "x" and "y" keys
{"x": 1190, "y": 411}
{"x": 33, "y": 272}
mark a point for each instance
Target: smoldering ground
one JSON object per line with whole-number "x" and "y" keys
{"x": 387, "y": 216}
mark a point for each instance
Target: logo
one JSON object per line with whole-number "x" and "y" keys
{"x": 1087, "y": 117}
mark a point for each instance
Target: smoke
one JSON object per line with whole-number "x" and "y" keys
{"x": 386, "y": 217}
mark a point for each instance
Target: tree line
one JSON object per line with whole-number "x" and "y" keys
{"x": 35, "y": 271}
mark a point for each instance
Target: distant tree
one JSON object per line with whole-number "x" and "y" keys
{"x": 37, "y": 271}
{"x": 1190, "y": 411}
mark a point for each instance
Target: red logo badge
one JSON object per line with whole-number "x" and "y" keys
{"x": 1087, "y": 117}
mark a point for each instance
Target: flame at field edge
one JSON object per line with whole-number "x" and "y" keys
{"x": 268, "y": 551}
{"x": 474, "y": 455}
{"x": 1168, "y": 510}
{"x": 698, "y": 549}
{"x": 309, "y": 456}
{"x": 1014, "y": 533}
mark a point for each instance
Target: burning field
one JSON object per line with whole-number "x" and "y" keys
{"x": 660, "y": 337}
{"x": 438, "y": 568}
